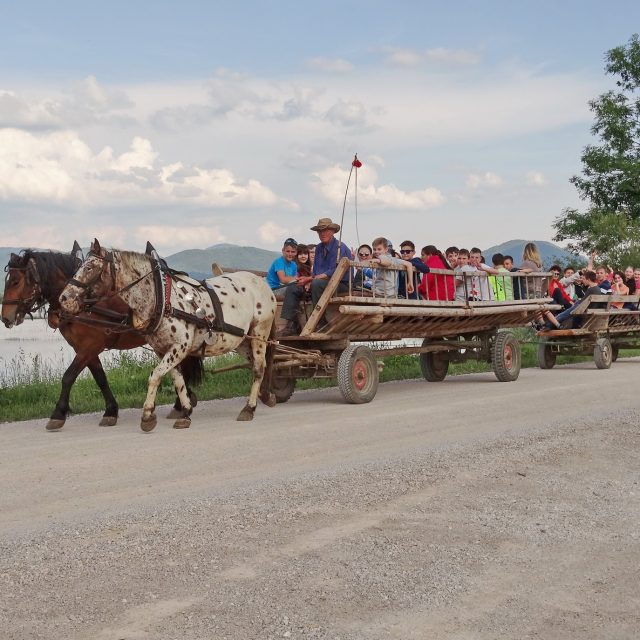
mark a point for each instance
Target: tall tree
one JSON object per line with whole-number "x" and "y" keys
{"x": 610, "y": 180}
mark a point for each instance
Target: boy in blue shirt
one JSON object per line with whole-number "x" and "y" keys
{"x": 284, "y": 270}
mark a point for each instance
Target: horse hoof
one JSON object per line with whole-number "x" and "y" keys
{"x": 54, "y": 424}
{"x": 271, "y": 400}
{"x": 108, "y": 421}
{"x": 194, "y": 399}
{"x": 173, "y": 414}
{"x": 182, "y": 423}
{"x": 245, "y": 415}
{"x": 148, "y": 424}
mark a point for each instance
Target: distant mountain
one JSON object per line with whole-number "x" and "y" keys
{"x": 197, "y": 262}
{"x": 549, "y": 252}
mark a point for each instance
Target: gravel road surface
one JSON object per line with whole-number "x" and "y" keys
{"x": 467, "y": 509}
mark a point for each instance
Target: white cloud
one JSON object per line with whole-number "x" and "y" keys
{"x": 84, "y": 103}
{"x": 331, "y": 183}
{"x": 452, "y": 56}
{"x": 37, "y": 168}
{"x": 61, "y": 167}
{"x": 487, "y": 179}
{"x": 414, "y": 57}
{"x": 109, "y": 235}
{"x": 271, "y": 233}
{"x": 536, "y": 178}
{"x": 41, "y": 235}
{"x": 403, "y": 57}
{"x": 219, "y": 187}
{"x": 18, "y": 112}
{"x": 255, "y": 146}
{"x": 98, "y": 98}
{"x": 331, "y": 65}
{"x": 182, "y": 236}
{"x": 347, "y": 113}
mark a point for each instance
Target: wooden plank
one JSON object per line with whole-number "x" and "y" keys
{"x": 426, "y": 312}
{"x": 612, "y": 312}
{"x": 404, "y": 302}
{"x": 560, "y": 333}
{"x": 326, "y": 296}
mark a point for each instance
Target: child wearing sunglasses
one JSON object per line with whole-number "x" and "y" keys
{"x": 408, "y": 253}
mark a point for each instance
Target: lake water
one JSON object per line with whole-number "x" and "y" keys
{"x": 34, "y": 351}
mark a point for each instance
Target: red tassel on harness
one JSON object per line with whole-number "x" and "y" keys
{"x": 356, "y": 163}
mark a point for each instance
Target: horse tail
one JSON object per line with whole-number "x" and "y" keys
{"x": 192, "y": 368}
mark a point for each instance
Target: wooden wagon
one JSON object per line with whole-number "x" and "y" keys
{"x": 602, "y": 332}
{"x": 346, "y": 334}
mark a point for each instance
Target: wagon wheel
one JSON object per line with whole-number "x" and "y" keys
{"x": 603, "y": 353}
{"x": 282, "y": 388}
{"x": 614, "y": 352}
{"x": 434, "y": 365}
{"x": 506, "y": 357}
{"x": 546, "y": 355}
{"x": 357, "y": 374}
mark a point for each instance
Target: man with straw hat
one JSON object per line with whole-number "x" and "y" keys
{"x": 328, "y": 252}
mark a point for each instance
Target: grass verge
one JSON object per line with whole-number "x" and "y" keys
{"x": 128, "y": 382}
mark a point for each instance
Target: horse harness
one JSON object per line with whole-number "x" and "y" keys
{"x": 162, "y": 277}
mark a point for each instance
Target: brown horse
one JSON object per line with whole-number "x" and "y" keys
{"x": 35, "y": 278}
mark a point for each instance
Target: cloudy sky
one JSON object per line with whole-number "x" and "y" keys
{"x": 192, "y": 123}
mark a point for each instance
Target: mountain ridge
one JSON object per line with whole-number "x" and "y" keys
{"x": 549, "y": 252}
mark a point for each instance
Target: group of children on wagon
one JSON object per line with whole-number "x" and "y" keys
{"x": 414, "y": 277}
{"x": 473, "y": 279}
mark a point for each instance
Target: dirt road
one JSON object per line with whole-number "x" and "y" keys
{"x": 465, "y": 509}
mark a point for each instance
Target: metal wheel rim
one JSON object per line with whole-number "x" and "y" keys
{"x": 360, "y": 375}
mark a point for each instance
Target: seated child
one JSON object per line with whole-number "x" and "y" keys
{"x": 283, "y": 270}
{"x": 385, "y": 281}
{"x": 438, "y": 286}
{"x": 466, "y": 285}
{"x": 364, "y": 276}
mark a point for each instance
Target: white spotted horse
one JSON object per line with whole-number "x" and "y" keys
{"x": 35, "y": 279}
{"x": 182, "y": 316}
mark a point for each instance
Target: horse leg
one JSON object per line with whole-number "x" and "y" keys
{"x": 266, "y": 395}
{"x": 168, "y": 362}
{"x": 183, "y": 420}
{"x": 110, "y": 416}
{"x": 59, "y": 415}
{"x": 257, "y": 357}
{"x": 192, "y": 369}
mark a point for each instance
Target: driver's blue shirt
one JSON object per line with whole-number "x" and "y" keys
{"x": 327, "y": 256}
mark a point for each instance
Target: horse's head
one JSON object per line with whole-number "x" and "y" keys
{"x": 22, "y": 289}
{"x": 94, "y": 279}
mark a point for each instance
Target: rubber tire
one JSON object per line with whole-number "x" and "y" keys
{"x": 282, "y": 388}
{"x": 603, "y": 353}
{"x": 434, "y": 366}
{"x": 506, "y": 357}
{"x": 614, "y": 353}
{"x": 357, "y": 374}
{"x": 546, "y": 357}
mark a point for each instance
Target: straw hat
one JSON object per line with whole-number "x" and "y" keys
{"x": 326, "y": 223}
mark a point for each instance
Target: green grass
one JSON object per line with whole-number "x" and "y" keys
{"x": 35, "y": 397}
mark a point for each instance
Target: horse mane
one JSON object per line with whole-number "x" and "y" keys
{"x": 48, "y": 263}
{"x": 138, "y": 263}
